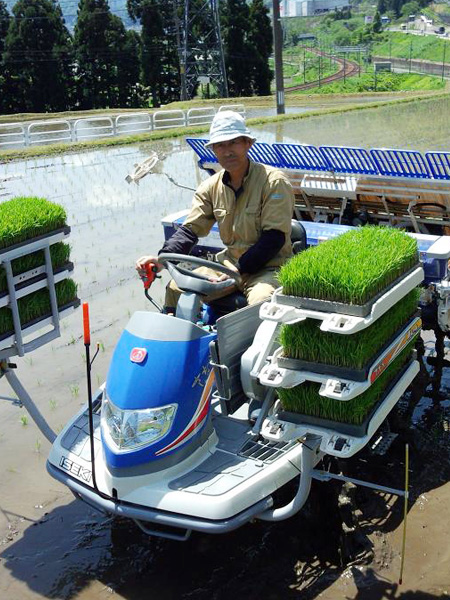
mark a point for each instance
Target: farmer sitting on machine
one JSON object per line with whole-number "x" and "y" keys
{"x": 252, "y": 205}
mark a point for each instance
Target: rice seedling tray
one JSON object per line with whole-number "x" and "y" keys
{"x": 356, "y": 310}
{"x": 350, "y": 429}
{"x": 29, "y": 287}
{"x": 30, "y": 278}
{"x": 51, "y": 237}
{"x": 354, "y": 374}
{"x": 8, "y": 339}
{"x": 334, "y": 442}
{"x": 31, "y": 325}
{"x": 337, "y": 388}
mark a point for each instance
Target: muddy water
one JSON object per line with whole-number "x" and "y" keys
{"x": 54, "y": 547}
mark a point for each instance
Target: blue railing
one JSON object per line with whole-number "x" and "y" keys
{"x": 401, "y": 163}
{"x": 301, "y": 156}
{"x": 439, "y": 163}
{"x": 198, "y": 145}
{"x": 265, "y": 153}
{"x": 343, "y": 159}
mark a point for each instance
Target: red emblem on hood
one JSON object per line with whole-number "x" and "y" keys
{"x": 138, "y": 355}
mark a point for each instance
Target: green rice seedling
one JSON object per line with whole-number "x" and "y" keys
{"x": 305, "y": 399}
{"x": 37, "y": 305}
{"x": 24, "y": 218}
{"x": 305, "y": 341}
{"x": 59, "y": 254}
{"x": 351, "y": 268}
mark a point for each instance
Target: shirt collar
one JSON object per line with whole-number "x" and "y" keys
{"x": 226, "y": 175}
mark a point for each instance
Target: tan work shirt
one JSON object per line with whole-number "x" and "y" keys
{"x": 265, "y": 202}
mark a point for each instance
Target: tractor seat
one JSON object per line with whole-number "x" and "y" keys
{"x": 227, "y": 304}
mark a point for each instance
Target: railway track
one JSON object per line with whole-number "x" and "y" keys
{"x": 348, "y": 68}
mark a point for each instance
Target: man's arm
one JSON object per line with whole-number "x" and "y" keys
{"x": 181, "y": 242}
{"x": 258, "y": 255}
{"x": 201, "y": 216}
{"x": 198, "y": 223}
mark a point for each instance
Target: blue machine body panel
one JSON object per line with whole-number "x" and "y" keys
{"x": 172, "y": 372}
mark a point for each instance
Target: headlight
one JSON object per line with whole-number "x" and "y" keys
{"x": 127, "y": 430}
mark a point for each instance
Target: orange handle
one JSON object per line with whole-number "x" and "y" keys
{"x": 86, "y": 328}
{"x": 149, "y": 275}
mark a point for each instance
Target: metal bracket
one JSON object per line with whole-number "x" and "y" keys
{"x": 412, "y": 216}
{"x": 326, "y": 476}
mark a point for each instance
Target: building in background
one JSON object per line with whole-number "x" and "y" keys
{"x": 308, "y": 8}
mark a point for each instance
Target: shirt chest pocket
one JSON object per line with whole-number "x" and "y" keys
{"x": 249, "y": 225}
{"x": 225, "y": 222}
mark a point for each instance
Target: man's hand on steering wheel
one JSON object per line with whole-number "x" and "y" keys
{"x": 224, "y": 276}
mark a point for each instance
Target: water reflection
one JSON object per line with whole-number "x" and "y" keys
{"x": 415, "y": 126}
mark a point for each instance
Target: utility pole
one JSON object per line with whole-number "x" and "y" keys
{"x": 304, "y": 64}
{"x": 183, "y": 94}
{"x": 278, "y": 53}
{"x": 410, "y": 54}
{"x": 320, "y": 73}
{"x": 443, "y": 64}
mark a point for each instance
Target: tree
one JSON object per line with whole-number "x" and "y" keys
{"x": 4, "y": 24}
{"x": 37, "y": 58}
{"x": 396, "y": 5}
{"x": 234, "y": 25}
{"x": 410, "y": 8}
{"x": 103, "y": 52}
{"x": 159, "y": 53}
{"x": 382, "y": 6}
{"x": 128, "y": 73}
{"x": 376, "y": 25}
{"x": 261, "y": 41}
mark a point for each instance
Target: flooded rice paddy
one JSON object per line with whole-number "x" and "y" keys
{"x": 52, "y": 546}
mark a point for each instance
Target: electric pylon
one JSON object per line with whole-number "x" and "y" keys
{"x": 201, "y": 51}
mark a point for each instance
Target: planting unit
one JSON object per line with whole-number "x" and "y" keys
{"x": 35, "y": 288}
{"x": 341, "y": 367}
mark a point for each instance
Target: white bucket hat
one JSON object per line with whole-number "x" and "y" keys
{"x": 227, "y": 125}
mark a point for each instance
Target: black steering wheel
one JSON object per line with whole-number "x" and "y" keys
{"x": 190, "y": 281}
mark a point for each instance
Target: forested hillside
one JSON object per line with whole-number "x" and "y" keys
{"x": 69, "y": 9}
{"x": 45, "y": 66}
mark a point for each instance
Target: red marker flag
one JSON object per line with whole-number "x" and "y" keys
{"x": 86, "y": 328}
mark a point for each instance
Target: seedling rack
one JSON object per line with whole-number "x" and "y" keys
{"x": 19, "y": 286}
{"x": 337, "y": 439}
{"x": 319, "y": 392}
{"x": 282, "y": 373}
{"x": 360, "y": 374}
{"x": 41, "y": 330}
